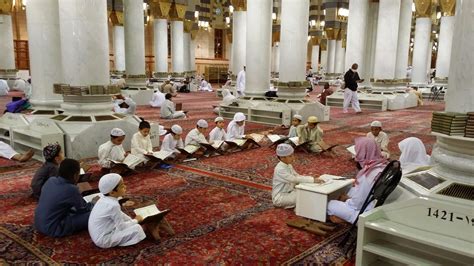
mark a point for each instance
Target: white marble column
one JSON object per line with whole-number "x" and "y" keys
{"x": 428, "y": 60}
{"x": 324, "y": 61}
{"x": 7, "y": 54}
{"x": 444, "y": 46}
{"x": 44, "y": 44}
{"x": 420, "y": 50}
{"x": 455, "y": 156}
{"x": 356, "y": 37}
{"x": 339, "y": 61}
{"x": 315, "y": 58}
{"x": 186, "y": 55}
{"x": 239, "y": 41}
{"x": 119, "y": 48}
{"x": 331, "y": 60}
{"x": 160, "y": 44}
{"x": 403, "y": 39}
{"x": 177, "y": 46}
{"x": 387, "y": 39}
{"x": 258, "y": 42}
{"x": 192, "y": 55}
{"x": 134, "y": 37}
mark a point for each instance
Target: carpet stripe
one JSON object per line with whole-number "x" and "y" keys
{"x": 224, "y": 177}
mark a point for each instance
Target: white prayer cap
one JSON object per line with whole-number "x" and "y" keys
{"x": 108, "y": 182}
{"x": 218, "y": 119}
{"x": 239, "y": 117}
{"x": 284, "y": 150}
{"x": 376, "y": 124}
{"x": 202, "y": 123}
{"x": 176, "y": 129}
{"x": 162, "y": 130}
{"x": 299, "y": 117}
{"x": 117, "y": 132}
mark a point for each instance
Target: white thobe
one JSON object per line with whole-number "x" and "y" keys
{"x": 110, "y": 227}
{"x": 241, "y": 82}
{"x": 205, "y": 86}
{"x": 235, "y": 131}
{"x": 284, "y": 180}
{"x": 349, "y": 209}
{"x": 195, "y": 137}
{"x": 382, "y": 142}
{"x": 141, "y": 145}
{"x": 109, "y": 151}
{"x": 217, "y": 134}
{"x": 170, "y": 144}
{"x": 168, "y": 110}
{"x": 6, "y": 151}
{"x": 292, "y": 132}
{"x": 4, "y": 89}
{"x": 157, "y": 99}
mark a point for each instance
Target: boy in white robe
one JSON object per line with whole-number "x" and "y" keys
{"x": 217, "y": 133}
{"x": 285, "y": 178}
{"x": 196, "y": 135}
{"x": 168, "y": 109}
{"x": 6, "y": 151}
{"x": 241, "y": 82}
{"x": 108, "y": 225}
{"x": 173, "y": 140}
{"x": 112, "y": 149}
{"x": 157, "y": 99}
{"x": 295, "y": 122}
{"x": 380, "y": 137}
{"x": 141, "y": 142}
{"x": 236, "y": 127}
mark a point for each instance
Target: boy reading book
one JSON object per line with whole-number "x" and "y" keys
{"x": 312, "y": 134}
{"x": 112, "y": 152}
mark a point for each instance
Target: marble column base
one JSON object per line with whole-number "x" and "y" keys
{"x": 294, "y": 90}
{"x": 9, "y": 75}
{"x": 454, "y": 158}
{"x": 46, "y": 107}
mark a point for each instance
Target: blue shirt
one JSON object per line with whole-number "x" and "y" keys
{"x": 59, "y": 203}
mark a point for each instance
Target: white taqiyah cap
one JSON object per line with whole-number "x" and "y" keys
{"x": 162, "y": 130}
{"x": 239, "y": 117}
{"x": 284, "y": 150}
{"x": 117, "y": 132}
{"x": 218, "y": 119}
{"x": 202, "y": 123}
{"x": 108, "y": 182}
{"x": 376, "y": 124}
{"x": 299, "y": 117}
{"x": 176, "y": 129}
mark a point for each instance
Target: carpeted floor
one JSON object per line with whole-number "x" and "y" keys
{"x": 221, "y": 206}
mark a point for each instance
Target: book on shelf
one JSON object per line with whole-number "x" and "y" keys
{"x": 130, "y": 161}
{"x": 151, "y": 213}
{"x": 161, "y": 155}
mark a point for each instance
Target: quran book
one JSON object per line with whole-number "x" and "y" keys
{"x": 190, "y": 149}
{"x": 217, "y": 144}
{"x": 162, "y": 155}
{"x": 90, "y": 197}
{"x": 130, "y": 161}
{"x": 352, "y": 150}
{"x": 325, "y": 146}
{"x": 296, "y": 141}
{"x": 151, "y": 213}
{"x": 239, "y": 142}
{"x": 273, "y": 138}
{"x": 257, "y": 137}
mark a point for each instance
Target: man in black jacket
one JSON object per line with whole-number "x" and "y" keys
{"x": 351, "y": 78}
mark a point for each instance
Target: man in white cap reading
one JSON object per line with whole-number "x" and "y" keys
{"x": 380, "y": 137}
{"x": 173, "y": 140}
{"x": 112, "y": 149}
{"x": 218, "y": 133}
{"x": 196, "y": 135}
{"x": 285, "y": 178}
{"x": 236, "y": 127}
{"x": 108, "y": 225}
{"x": 311, "y": 133}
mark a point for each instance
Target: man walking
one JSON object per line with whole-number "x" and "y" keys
{"x": 351, "y": 78}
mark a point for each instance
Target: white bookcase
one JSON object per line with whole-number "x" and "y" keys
{"x": 35, "y": 136}
{"x": 9, "y": 121}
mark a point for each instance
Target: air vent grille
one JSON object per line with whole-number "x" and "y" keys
{"x": 458, "y": 191}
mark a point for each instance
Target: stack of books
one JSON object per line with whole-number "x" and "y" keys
{"x": 470, "y": 125}
{"x": 449, "y": 123}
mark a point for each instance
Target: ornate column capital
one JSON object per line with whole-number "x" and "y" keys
{"x": 239, "y": 5}
{"x": 177, "y": 11}
{"x": 160, "y": 8}
{"x": 116, "y": 17}
{"x": 332, "y": 33}
{"x": 448, "y": 7}
{"x": 6, "y": 7}
{"x": 423, "y": 8}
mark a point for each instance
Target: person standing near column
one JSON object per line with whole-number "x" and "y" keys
{"x": 241, "y": 83}
{"x": 351, "y": 78}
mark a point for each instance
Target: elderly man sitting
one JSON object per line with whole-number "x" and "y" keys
{"x": 311, "y": 133}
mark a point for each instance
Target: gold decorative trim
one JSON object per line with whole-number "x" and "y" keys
{"x": 177, "y": 12}
{"x": 239, "y": 5}
{"x": 6, "y": 7}
{"x": 448, "y": 7}
{"x": 332, "y": 33}
{"x": 423, "y": 8}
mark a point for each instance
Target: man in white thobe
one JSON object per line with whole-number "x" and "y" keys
{"x": 157, "y": 99}
{"x": 241, "y": 83}
{"x": 108, "y": 225}
{"x": 380, "y": 137}
{"x": 168, "y": 109}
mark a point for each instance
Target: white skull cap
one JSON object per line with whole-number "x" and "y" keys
{"x": 284, "y": 149}
{"x": 239, "y": 117}
{"x": 117, "y": 132}
{"x": 299, "y": 117}
{"x": 202, "y": 123}
{"x": 176, "y": 129}
{"x": 376, "y": 124}
{"x": 218, "y": 119}
{"x": 108, "y": 182}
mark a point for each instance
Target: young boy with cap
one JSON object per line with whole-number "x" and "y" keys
{"x": 173, "y": 140}
{"x": 196, "y": 135}
{"x": 53, "y": 156}
{"x": 112, "y": 149}
{"x": 236, "y": 127}
{"x": 312, "y": 133}
{"x": 380, "y": 137}
{"x": 108, "y": 225}
{"x": 217, "y": 133}
{"x": 285, "y": 178}
{"x": 295, "y": 122}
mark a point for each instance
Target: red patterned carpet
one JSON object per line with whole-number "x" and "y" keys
{"x": 221, "y": 206}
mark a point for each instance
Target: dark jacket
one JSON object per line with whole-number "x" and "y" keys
{"x": 351, "y": 78}
{"x": 61, "y": 210}
{"x": 47, "y": 170}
